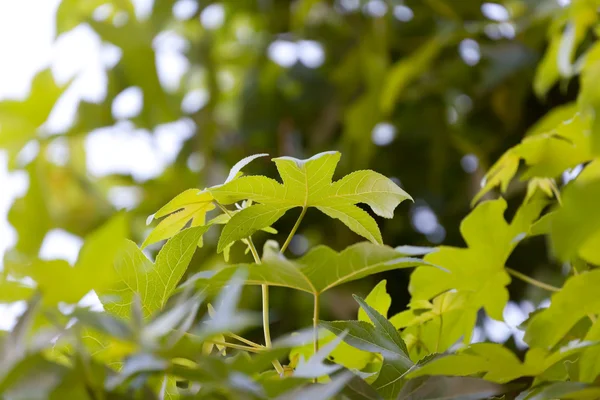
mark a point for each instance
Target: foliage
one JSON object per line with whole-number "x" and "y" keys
{"x": 182, "y": 326}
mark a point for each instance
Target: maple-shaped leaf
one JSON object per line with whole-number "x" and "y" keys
{"x": 478, "y": 270}
{"x": 152, "y": 282}
{"x": 188, "y": 209}
{"x": 498, "y": 363}
{"x": 308, "y": 183}
{"x": 437, "y": 325}
{"x": 319, "y": 270}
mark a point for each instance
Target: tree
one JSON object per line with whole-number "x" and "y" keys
{"x": 431, "y": 85}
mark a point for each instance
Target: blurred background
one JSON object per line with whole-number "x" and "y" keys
{"x": 111, "y": 105}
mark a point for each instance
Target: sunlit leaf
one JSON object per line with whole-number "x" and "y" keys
{"x": 188, "y": 209}
{"x": 153, "y": 282}
{"x": 574, "y": 228}
{"x": 318, "y": 270}
{"x": 379, "y": 337}
{"x": 577, "y": 298}
{"x": 450, "y": 388}
{"x": 497, "y": 363}
{"x": 478, "y": 270}
{"x": 307, "y": 183}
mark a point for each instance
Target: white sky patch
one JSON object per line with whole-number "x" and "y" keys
{"x": 194, "y": 101}
{"x": 424, "y": 220}
{"x": 131, "y": 152}
{"x": 61, "y": 245}
{"x": 185, "y": 9}
{"x": 469, "y": 51}
{"x": 495, "y": 12}
{"x": 128, "y": 104}
{"x": 213, "y": 16}
{"x": 375, "y": 8}
{"x": 311, "y": 53}
{"x": 403, "y": 13}
{"x": 383, "y": 134}
{"x": 169, "y": 138}
{"x": 283, "y": 52}
{"x": 125, "y": 197}
{"x": 171, "y": 62}
{"x": 469, "y": 163}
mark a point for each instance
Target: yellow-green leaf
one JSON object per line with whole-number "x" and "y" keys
{"x": 308, "y": 183}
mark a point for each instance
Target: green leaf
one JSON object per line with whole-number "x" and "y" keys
{"x": 30, "y": 215}
{"x": 501, "y": 173}
{"x": 93, "y": 270}
{"x": 378, "y": 337}
{"x": 561, "y": 390}
{"x": 450, "y": 388}
{"x": 478, "y": 270}
{"x": 378, "y": 299}
{"x": 318, "y": 270}
{"x": 435, "y": 326}
{"x": 409, "y": 69}
{"x": 315, "y": 367}
{"x": 497, "y": 363}
{"x": 153, "y": 282}
{"x": 547, "y": 154}
{"x": 574, "y": 228}
{"x": 20, "y": 120}
{"x": 308, "y": 183}
{"x": 319, "y": 391}
{"x": 11, "y": 291}
{"x": 589, "y": 97}
{"x": 566, "y": 36}
{"x": 187, "y": 209}
{"x": 577, "y": 298}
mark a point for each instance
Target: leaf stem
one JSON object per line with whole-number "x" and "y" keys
{"x": 265, "y": 307}
{"x": 236, "y": 346}
{"x": 244, "y": 340}
{"x": 293, "y": 231}
{"x": 225, "y": 210}
{"x": 316, "y": 326}
{"x": 532, "y": 281}
{"x": 265, "y": 304}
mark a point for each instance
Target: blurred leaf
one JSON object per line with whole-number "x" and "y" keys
{"x": 497, "y": 363}
{"x": 319, "y": 391}
{"x": 20, "y": 120}
{"x": 93, "y": 270}
{"x": 450, "y": 388}
{"x": 563, "y": 390}
{"x": 315, "y": 367}
{"x": 407, "y": 70}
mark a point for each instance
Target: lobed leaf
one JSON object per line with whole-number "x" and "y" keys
{"x": 308, "y": 183}
{"x": 318, "y": 270}
{"x": 153, "y": 282}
